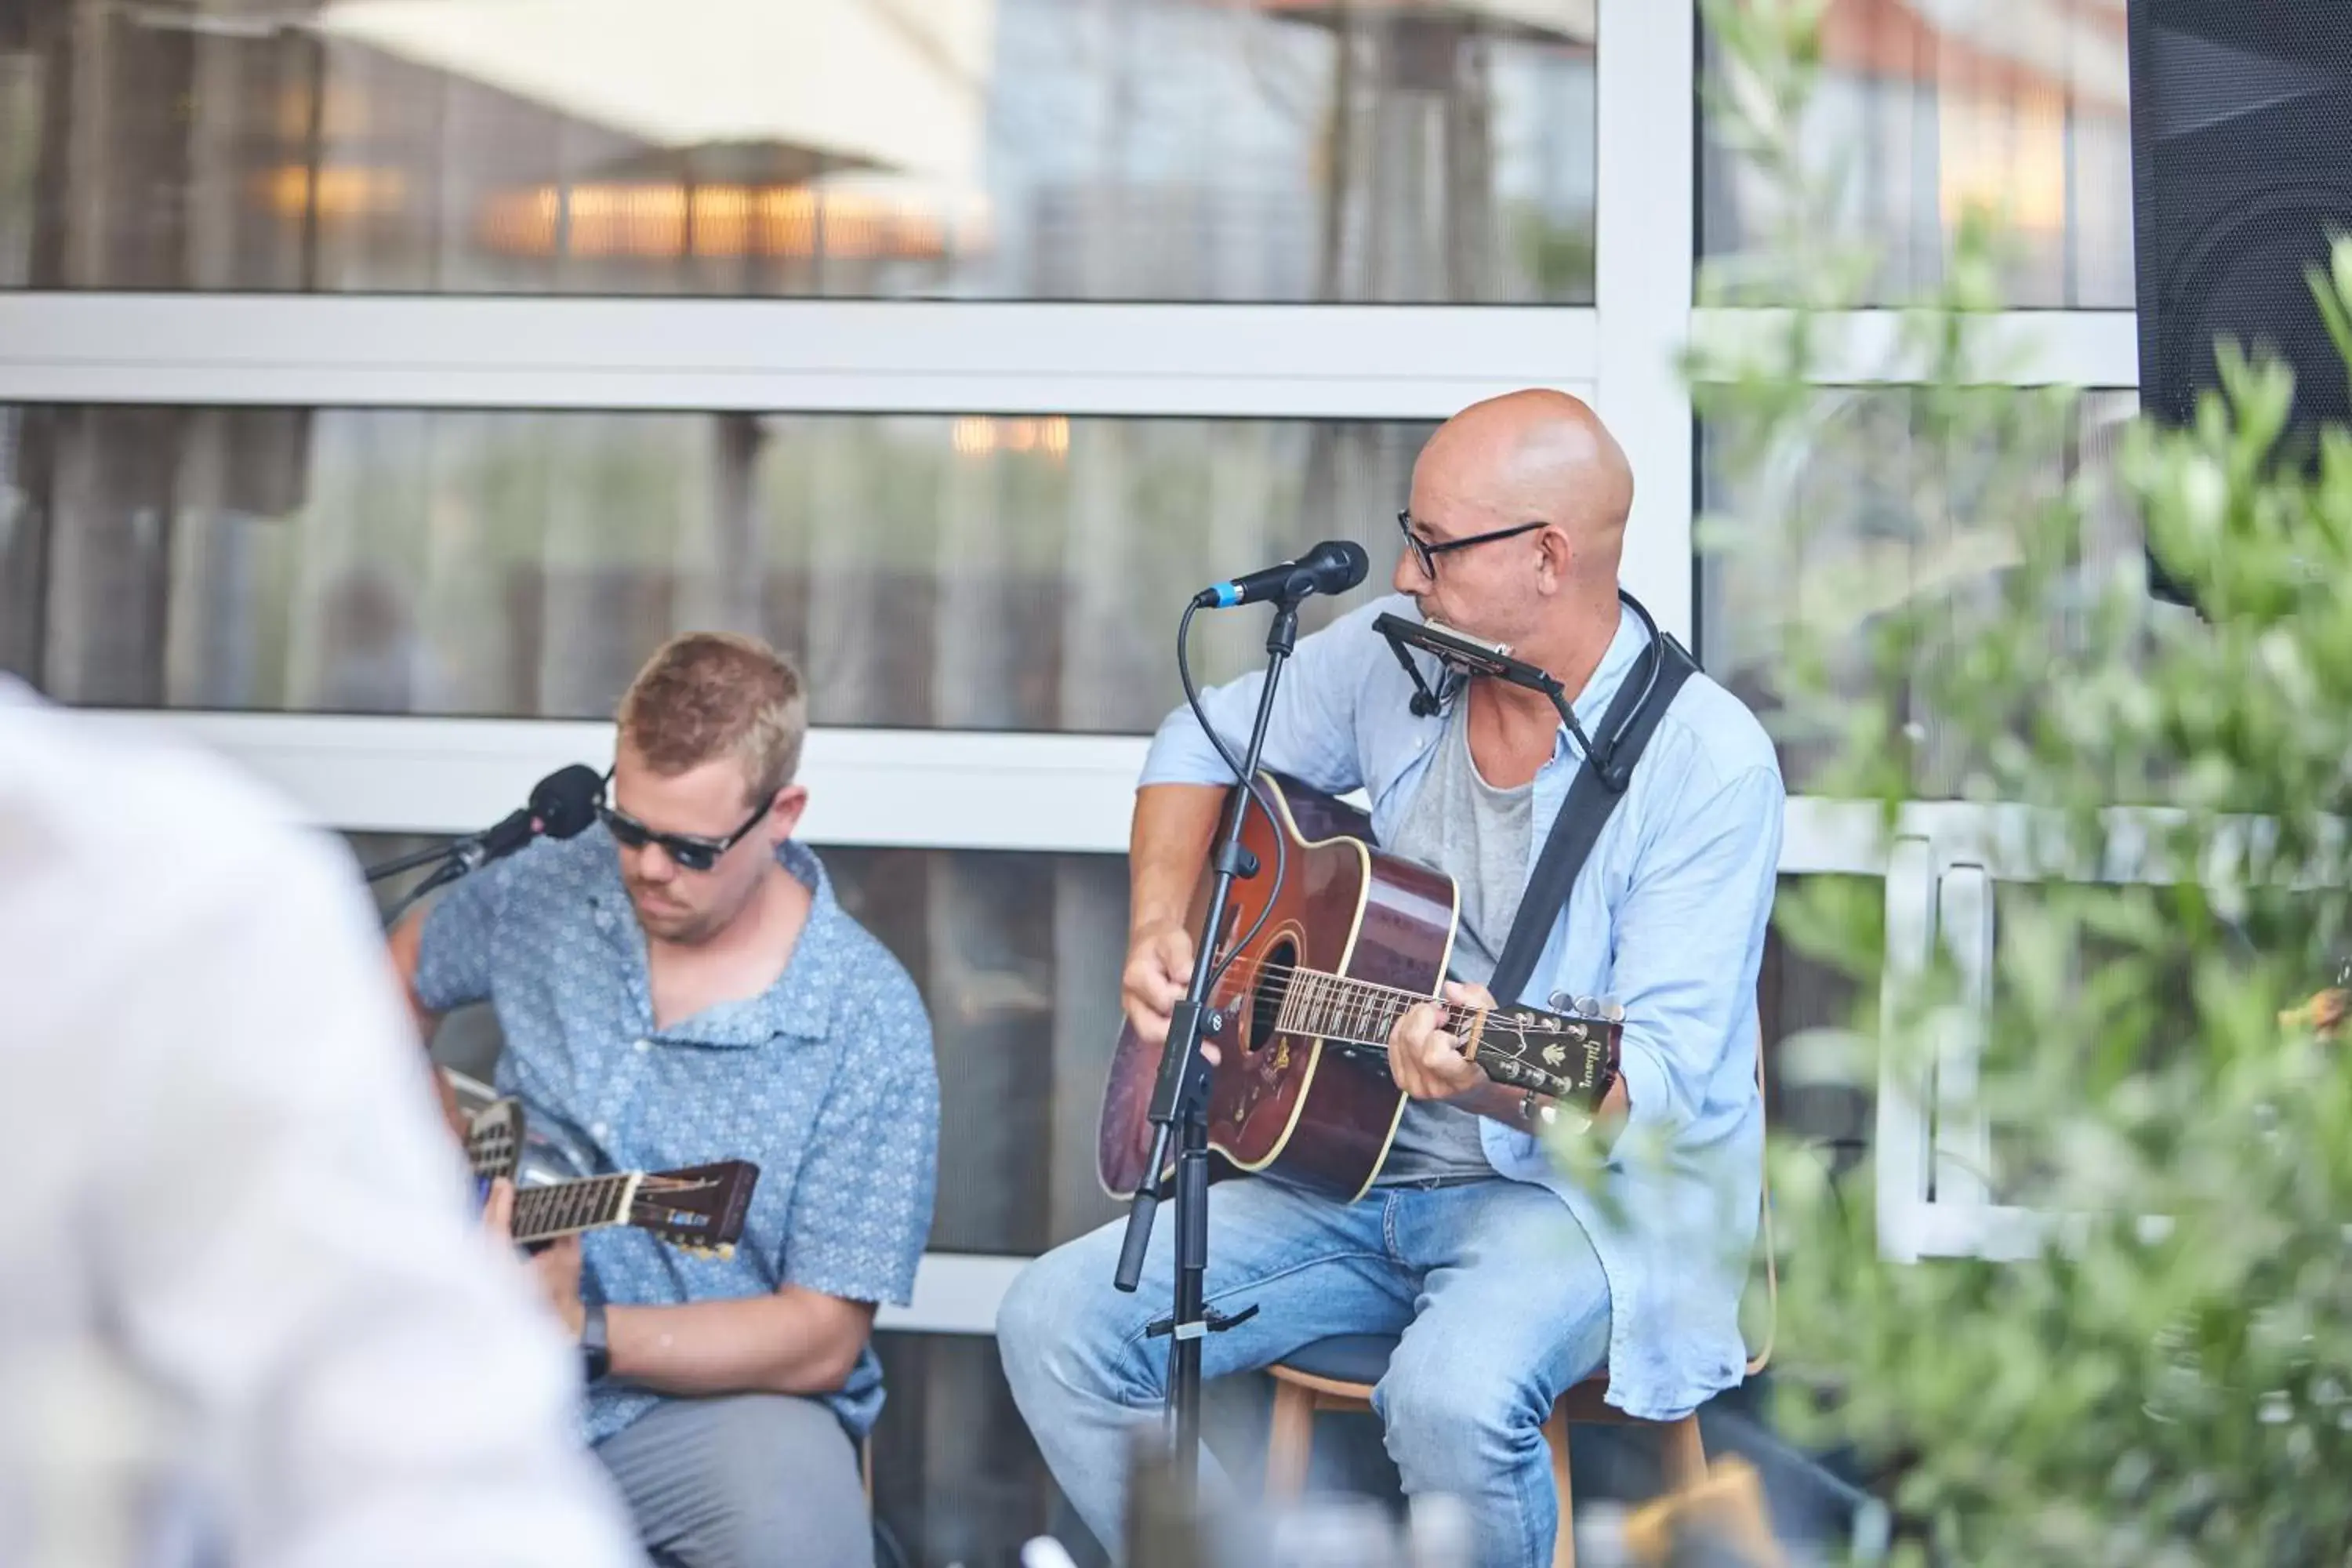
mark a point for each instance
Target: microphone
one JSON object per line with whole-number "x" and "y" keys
{"x": 561, "y": 805}
{"x": 1333, "y": 567}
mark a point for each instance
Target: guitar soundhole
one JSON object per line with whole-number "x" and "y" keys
{"x": 1273, "y": 986}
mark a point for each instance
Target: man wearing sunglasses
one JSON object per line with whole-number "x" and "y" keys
{"x": 676, "y": 986}
{"x": 1505, "y": 1281}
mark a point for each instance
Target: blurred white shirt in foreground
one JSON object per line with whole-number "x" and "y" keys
{"x": 238, "y": 1262}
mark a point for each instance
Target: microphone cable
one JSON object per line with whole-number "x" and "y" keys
{"x": 1255, "y": 792}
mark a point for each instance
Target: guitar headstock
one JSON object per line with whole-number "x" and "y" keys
{"x": 494, "y": 1138}
{"x": 1569, "y": 1055}
{"x": 699, "y": 1209}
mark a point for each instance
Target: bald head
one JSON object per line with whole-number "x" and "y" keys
{"x": 1536, "y": 453}
{"x": 1521, "y": 502}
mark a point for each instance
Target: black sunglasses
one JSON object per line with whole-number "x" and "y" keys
{"x": 691, "y": 853}
{"x": 1427, "y": 553}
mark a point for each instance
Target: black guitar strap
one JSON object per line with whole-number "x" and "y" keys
{"x": 1631, "y": 719}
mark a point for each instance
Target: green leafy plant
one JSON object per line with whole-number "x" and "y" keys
{"x": 2161, "y": 1371}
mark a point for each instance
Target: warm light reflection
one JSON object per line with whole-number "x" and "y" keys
{"x": 343, "y": 191}
{"x": 335, "y": 112}
{"x": 661, "y": 220}
{"x": 2005, "y": 155}
{"x": 978, "y": 435}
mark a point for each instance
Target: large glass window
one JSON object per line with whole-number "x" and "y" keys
{"x": 2022, "y": 106}
{"x": 972, "y": 149}
{"x": 1891, "y": 523}
{"x": 1813, "y": 1097}
{"x": 1018, "y": 958}
{"x": 971, "y": 572}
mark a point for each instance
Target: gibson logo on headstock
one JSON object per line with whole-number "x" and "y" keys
{"x": 1547, "y": 1044}
{"x": 1555, "y": 1056}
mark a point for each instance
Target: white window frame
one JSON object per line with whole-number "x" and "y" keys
{"x": 1070, "y": 793}
{"x": 1280, "y": 361}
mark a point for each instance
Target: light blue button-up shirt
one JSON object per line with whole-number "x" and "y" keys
{"x": 1667, "y": 918}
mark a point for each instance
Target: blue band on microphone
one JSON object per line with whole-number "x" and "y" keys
{"x": 1228, "y": 596}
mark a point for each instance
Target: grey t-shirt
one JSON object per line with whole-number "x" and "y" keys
{"x": 1480, "y": 836}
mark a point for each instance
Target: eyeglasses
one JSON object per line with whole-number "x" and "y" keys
{"x": 690, "y": 852}
{"x": 1427, "y": 553}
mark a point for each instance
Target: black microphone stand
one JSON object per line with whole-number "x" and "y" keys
{"x": 453, "y": 865}
{"x": 410, "y": 862}
{"x": 1179, "y": 1109}
{"x": 450, "y": 860}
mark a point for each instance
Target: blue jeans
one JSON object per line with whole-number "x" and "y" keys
{"x": 1494, "y": 1285}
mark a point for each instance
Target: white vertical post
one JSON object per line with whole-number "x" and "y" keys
{"x": 1902, "y": 1135}
{"x": 1964, "y": 918}
{"x": 1645, "y": 230}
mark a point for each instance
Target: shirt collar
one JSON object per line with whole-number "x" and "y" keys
{"x": 1591, "y": 704}
{"x": 800, "y": 1003}
{"x": 796, "y": 1004}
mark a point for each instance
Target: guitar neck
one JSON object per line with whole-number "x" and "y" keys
{"x": 567, "y": 1208}
{"x": 1563, "y": 1057}
{"x": 1335, "y": 1007}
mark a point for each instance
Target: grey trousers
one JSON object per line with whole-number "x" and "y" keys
{"x": 743, "y": 1481}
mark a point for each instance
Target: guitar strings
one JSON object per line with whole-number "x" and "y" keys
{"x": 1349, "y": 983}
{"x": 1279, "y": 981}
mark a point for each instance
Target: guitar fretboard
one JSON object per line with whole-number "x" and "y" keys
{"x": 1338, "y": 1008}
{"x": 566, "y": 1208}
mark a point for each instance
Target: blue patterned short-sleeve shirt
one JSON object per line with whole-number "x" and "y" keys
{"x": 825, "y": 1081}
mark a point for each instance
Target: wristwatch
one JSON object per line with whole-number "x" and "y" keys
{"x": 595, "y": 1354}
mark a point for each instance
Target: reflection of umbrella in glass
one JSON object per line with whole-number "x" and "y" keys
{"x": 769, "y": 126}
{"x": 734, "y": 163}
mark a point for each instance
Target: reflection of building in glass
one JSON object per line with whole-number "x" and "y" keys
{"x": 984, "y": 572}
{"x": 1931, "y": 107}
{"x": 1894, "y": 520}
{"x": 827, "y": 129}
{"x": 1043, "y": 149}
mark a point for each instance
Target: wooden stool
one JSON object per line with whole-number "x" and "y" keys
{"x": 1338, "y": 1373}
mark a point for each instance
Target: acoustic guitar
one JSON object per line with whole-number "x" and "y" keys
{"x": 1352, "y": 938}
{"x": 699, "y": 1208}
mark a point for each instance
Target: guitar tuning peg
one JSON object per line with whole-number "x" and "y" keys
{"x": 1613, "y": 1010}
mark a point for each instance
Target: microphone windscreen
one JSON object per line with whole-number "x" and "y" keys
{"x": 565, "y": 800}
{"x": 1356, "y": 564}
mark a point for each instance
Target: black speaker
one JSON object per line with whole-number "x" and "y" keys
{"x": 2242, "y": 175}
